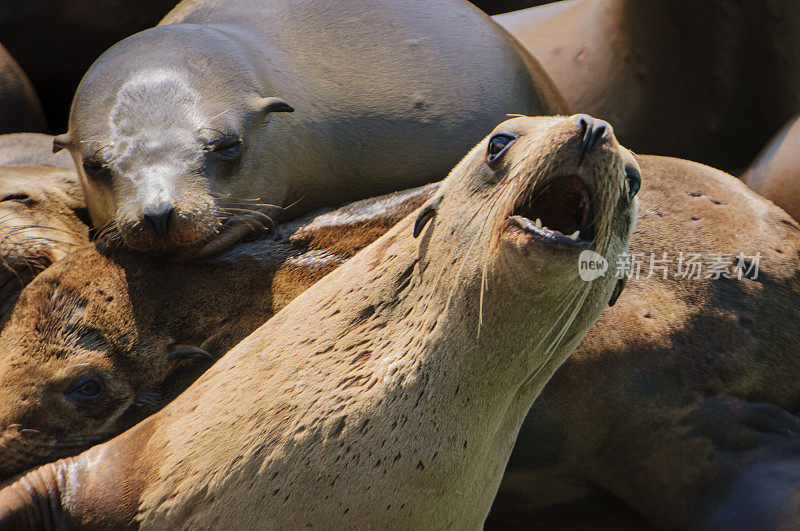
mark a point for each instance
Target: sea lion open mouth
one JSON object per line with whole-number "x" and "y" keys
{"x": 560, "y": 211}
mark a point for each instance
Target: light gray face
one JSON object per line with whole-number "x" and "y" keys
{"x": 155, "y": 141}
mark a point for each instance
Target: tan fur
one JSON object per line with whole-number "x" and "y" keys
{"x": 683, "y": 384}
{"x": 371, "y": 399}
{"x": 723, "y": 75}
{"x": 121, "y": 318}
{"x": 394, "y": 107}
{"x": 775, "y": 173}
{"x": 41, "y": 211}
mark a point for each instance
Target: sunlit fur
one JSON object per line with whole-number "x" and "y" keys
{"x": 111, "y": 317}
{"x": 370, "y": 400}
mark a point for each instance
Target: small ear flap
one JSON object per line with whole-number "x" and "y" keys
{"x": 275, "y": 105}
{"x": 618, "y": 290}
{"x": 426, "y": 213}
{"x": 60, "y": 142}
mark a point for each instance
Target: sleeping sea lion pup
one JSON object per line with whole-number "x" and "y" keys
{"x": 181, "y": 133}
{"x": 391, "y": 392}
{"x": 99, "y": 342}
{"x": 42, "y": 212}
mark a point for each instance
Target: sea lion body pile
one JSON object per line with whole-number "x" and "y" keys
{"x": 194, "y": 332}
{"x": 365, "y": 429}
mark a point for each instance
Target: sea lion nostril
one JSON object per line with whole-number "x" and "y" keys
{"x": 593, "y": 133}
{"x": 158, "y": 218}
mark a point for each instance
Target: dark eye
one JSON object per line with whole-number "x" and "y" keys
{"x": 93, "y": 166}
{"x": 229, "y": 148}
{"x": 87, "y": 389}
{"x": 19, "y": 198}
{"x": 498, "y": 144}
{"x": 634, "y": 180}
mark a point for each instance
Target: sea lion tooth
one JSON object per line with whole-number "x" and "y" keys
{"x": 538, "y": 223}
{"x": 575, "y": 235}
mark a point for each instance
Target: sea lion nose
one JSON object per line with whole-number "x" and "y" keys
{"x": 157, "y": 217}
{"x": 594, "y": 132}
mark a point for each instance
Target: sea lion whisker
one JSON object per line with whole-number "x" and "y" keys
{"x": 220, "y": 196}
{"x": 225, "y": 205}
{"x": 244, "y": 212}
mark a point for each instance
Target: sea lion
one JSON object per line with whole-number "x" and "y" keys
{"x": 55, "y": 41}
{"x": 20, "y": 110}
{"x": 775, "y": 174}
{"x": 42, "y": 212}
{"x": 181, "y": 136}
{"x": 704, "y": 67}
{"x": 684, "y": 388}
{"x": 390, "y": 393}
{"x": 157, "y": 325}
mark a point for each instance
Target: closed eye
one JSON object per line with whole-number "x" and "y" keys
{"x": 228, "y": 148}
{"x": 93, "y": 167}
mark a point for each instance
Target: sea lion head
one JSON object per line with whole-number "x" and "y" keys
{"x": 160, "y": 144}
{"x": 79, "y": 361}
{"x": 543, "y": 194}
{"x": 42, "y": 217}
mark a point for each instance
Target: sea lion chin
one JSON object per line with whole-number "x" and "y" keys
{"x": 402, "y": 416}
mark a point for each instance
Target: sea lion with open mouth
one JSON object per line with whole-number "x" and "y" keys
{"x": 190, "y": 134}
{"x": 680, "y": 402}
{"x": 392, "y": 391}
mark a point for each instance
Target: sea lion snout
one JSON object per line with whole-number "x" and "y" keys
{"x": 157, "y": 217}
{"x": 594, "y": 132}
